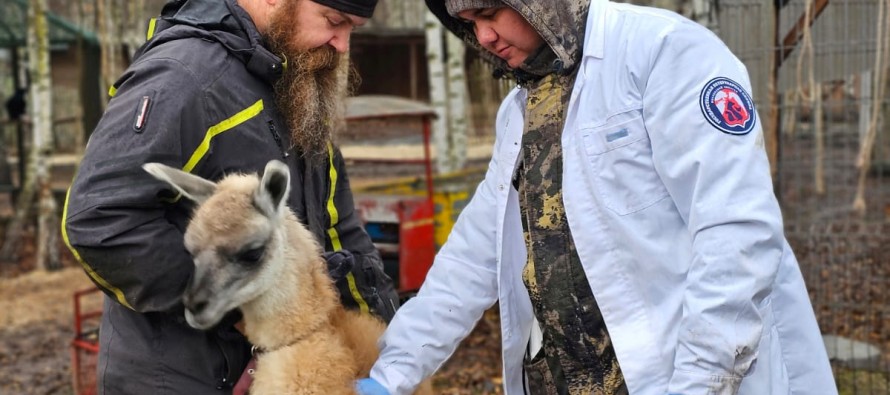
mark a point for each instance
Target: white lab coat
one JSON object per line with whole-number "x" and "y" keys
{"x": 675, "y": 222}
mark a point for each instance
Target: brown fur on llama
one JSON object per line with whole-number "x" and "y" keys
{"x": 252, "y": 253}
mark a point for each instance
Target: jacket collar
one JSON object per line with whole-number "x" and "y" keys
{"x": 595, "y": 39}
{"x": 224, "y": 22}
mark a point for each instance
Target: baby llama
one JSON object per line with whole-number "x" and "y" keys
{"x": 251, "y": 252}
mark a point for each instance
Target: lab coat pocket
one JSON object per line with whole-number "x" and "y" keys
{"x": 620, "y": 156}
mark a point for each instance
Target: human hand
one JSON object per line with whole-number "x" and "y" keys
{"x": 370, "y": 386}
{"x": 340, "y": 263}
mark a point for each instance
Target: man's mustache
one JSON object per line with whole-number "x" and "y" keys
{"x": 321, "y": 58}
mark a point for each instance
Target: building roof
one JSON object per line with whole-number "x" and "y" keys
{"x": 385, "y": 107}
{"x": 13, "y": 27}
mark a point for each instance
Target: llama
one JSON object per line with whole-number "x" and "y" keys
{"x": 251, "y": 252}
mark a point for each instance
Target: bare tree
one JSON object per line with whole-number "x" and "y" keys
{"x": 458, "y": 97}
{"x": 36, "y": 185}
{"x": 107, "y": 12}
{"x": 448, "y": 95}
{"x": 438, "y": 89}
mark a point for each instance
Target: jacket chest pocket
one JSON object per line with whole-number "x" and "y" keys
{"x": 620, "y": 155}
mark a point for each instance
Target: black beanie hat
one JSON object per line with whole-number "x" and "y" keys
{"x": 362, "y": 8}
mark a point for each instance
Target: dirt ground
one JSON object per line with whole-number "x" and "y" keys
{"x": 37, "y": 325}
{"x": 36, "y": 329}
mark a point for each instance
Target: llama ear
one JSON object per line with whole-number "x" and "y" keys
{"x": 191, "y": 186}
{"x": 270, "y": 196}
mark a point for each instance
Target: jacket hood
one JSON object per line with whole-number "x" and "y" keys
{"x": 560, "y": 23}
{"x": 222, "y": 21}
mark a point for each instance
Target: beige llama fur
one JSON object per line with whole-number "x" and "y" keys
{"x": 252, "y": 253}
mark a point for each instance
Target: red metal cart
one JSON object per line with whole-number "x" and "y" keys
{"x": 85, "y": 345}
{"x": 400, "y": 223}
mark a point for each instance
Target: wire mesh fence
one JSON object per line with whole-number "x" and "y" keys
{"x": 821, "y": 89}
{"x": 818, "y": 70}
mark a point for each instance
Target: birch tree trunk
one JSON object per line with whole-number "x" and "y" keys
{"x": 458, "y": 97}
{"x": 880, "y": 83}
{"x": 438, "y": 89}
{"x": 41, "y": 110}
{"x": 37, "y": 181}
{"x": 107, "y": 12}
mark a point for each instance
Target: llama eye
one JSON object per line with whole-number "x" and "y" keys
{"x": 252, "y": 256}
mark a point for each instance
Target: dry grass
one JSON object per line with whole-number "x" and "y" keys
{"x": 40, "y": 296}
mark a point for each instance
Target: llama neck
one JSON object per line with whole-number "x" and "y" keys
{"x": 301, "y": 300}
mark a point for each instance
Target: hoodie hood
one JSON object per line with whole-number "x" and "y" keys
{"x": 560, "y": 23}
{"x": 222, "y": 21}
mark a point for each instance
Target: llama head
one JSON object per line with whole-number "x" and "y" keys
{"x": 236, "y": 238}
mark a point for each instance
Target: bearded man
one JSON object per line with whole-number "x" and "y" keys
{"x": 221, "y": 86}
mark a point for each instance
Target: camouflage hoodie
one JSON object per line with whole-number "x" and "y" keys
{"x": 559, "y": 22}
{"x": 577, "y": 356}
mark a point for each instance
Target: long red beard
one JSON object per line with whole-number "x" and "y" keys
{"x": 312, "y": 104}
{"x": 311, "y": 90}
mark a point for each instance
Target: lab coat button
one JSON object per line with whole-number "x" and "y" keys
{"x": 501, "y": 187}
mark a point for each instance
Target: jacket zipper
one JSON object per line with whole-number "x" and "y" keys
{"x": 277, "y": 138}
{"x": 371, "y": 281}
{"x": 223, "y": 382}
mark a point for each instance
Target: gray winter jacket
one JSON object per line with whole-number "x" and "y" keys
{"x": 197, "y": 96}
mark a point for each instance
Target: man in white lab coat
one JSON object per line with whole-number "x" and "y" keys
{"x": 627, "y": 223}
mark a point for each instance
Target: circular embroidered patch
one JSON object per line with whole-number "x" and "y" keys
{"x": 727, "y": 106}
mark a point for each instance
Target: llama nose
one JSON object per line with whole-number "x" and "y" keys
{"x": 194, "y": 304}
{"x": 197, "y": 308}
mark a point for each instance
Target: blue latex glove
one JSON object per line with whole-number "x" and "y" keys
{"x": 370, "y": 386}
